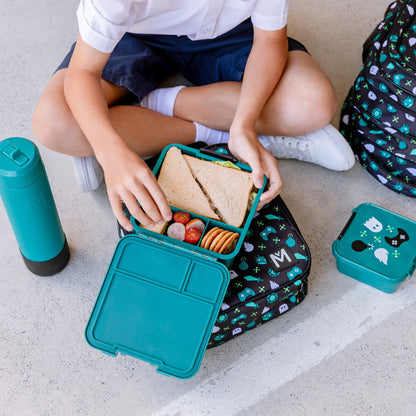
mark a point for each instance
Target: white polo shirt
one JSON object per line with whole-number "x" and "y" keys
{"x": 102, "y": 23}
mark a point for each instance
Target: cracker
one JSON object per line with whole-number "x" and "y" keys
{"x": 220, "y": 241}
{"x": 217, "y": 238}
{"x": 228, "y": 244}
{"x": 209, "y": 236}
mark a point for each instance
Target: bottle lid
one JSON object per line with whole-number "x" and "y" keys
{"x": 19, "y": 162}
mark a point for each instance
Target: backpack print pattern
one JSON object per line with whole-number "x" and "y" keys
{"x": 378, "y": 117}
{"x": 268, "y": 276}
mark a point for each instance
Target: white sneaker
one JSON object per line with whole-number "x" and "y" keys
{"x": 326, "y": 147}
{"x": 88, "y": 173}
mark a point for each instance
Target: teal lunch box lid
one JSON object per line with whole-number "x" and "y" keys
{"x": 19, "y": 159}
{"x": 158, "y": 303}
{"x": 377, "y": 247}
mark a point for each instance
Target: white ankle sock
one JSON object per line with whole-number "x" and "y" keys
{"x": 162, "y": 100}
{"x": 210, "y": 136}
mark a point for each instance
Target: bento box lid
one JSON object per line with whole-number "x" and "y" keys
{"x": 158, "y": 303}
{"x": 378, "y": 240}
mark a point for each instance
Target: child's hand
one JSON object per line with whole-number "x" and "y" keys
{"x": 246, "y": 147}
{"x": 129, "y": 179}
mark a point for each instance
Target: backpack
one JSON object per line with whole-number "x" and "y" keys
{"x": 269, "y": 275}
{"x": 378, "y": 117}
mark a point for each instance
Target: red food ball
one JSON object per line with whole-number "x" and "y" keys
{"x": 192, "y": 235}
{"x": 182, "y": 217}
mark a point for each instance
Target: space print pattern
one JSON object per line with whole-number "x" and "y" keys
{"x": 378, "y": 117}
{"x": 268, "y": 276}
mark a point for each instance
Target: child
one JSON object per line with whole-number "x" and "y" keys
{"x": 254, "y": 88}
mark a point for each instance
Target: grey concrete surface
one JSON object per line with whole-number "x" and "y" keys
{"x": 348, "y": 349}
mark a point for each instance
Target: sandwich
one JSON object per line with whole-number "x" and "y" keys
{"x": 180, "y": 188}
{"x": 205, "y": 188}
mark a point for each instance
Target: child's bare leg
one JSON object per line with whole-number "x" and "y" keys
{"x": 148, "y": 132}
{"x": 303, "y": 101}
{"x": 145, "y": 131}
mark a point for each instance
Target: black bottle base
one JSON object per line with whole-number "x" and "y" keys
{"x": 49, "y": 267}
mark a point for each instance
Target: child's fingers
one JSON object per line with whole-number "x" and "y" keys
{"x": 139, "y": 213}
{"x": 257, "y": 171}
{"x": 274, "y": 185}
{"x": 148, "y": 211}
{"x": 115, "y": 203}
{"x": 159, "y": 199}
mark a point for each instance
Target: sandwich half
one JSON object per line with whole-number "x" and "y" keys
{"x": 227, "y": 189}
{"x": 180, "y": 187}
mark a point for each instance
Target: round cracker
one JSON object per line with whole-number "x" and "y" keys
{"x": 209, "y": 236}
{"x": 228, "y": 243}
{"x": 217, "y": 238}
{"x": 215, "y": 247}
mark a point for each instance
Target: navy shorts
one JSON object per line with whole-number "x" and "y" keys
{"x": 140, "y": 63}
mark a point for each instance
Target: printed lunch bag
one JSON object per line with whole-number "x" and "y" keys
{"x": 268, "y": 275}
{"x": 378, "y": 117}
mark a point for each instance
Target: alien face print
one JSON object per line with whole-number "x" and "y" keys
{"x": 373, "y": 225}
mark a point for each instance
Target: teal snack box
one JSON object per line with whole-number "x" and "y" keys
{"x": 160, "y": 297}
{"x": 377, "y": 247}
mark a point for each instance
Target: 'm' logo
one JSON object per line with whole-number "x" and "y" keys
{"x": 281, "y": 258}
{"x": 38, "y": 201}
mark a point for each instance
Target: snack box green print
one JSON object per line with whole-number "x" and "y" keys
{"x": 377, "y": 247}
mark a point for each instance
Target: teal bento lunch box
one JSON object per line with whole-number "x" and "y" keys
{"x": 160, "y": 297}
{"x": 226, "y": 258}
{"x": 377, "y": 247}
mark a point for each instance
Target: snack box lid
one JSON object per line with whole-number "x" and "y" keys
{"x": 378, "y": 240}
{"x": 158, "y": 303}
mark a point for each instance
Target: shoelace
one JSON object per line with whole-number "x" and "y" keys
{"x": 291, "y": 148}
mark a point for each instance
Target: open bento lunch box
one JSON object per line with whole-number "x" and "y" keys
{"x": 377, "y": 247}
{"x": 209, "y": 223}
{"x": 160, "y": 297}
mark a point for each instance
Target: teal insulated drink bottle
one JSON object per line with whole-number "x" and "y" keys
{"x": 27, "y": 197}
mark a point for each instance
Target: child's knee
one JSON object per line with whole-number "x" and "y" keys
{"x": 49, "y": 124}
{"x": 328, "y": 102}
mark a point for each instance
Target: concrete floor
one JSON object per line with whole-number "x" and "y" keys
{"x": 348, "y": 349}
